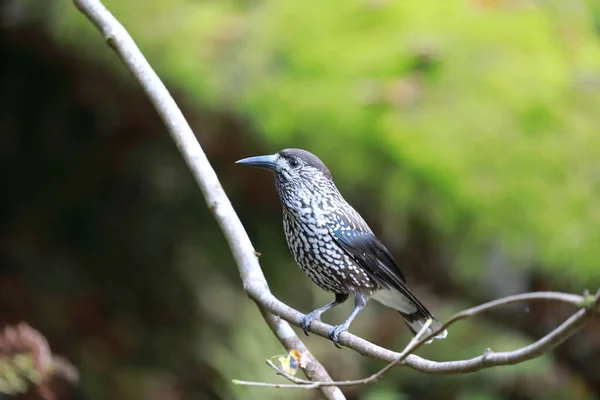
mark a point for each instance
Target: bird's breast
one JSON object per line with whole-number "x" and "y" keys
{"x": 319, "y": 256}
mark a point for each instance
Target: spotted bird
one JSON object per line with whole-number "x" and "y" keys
{"x": 333, "y": 244}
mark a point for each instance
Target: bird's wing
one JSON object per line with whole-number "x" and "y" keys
{"x": 368, "y": 252}
{"x": 355, "y": 237}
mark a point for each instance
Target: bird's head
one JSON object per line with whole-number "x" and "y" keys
{"x": 294, "y": 169}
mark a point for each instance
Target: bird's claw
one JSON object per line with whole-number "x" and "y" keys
{"x": 307, "y": 320}
{"x": 334, "y": 334}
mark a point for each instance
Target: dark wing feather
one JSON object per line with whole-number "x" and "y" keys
{"x": 371, "y": 255}
{"x": 368, "y": 252}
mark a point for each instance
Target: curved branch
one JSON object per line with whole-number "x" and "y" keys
{"x": 263, "y": 296}
{"x": 218, "y": 202}
{"x": 589, "y": 306}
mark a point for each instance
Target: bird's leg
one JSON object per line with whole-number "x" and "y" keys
{"x": 360, "y": 301}
{"x": 316, "y": 314}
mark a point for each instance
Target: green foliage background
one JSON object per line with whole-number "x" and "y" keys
{"x": 478, "y": 118}
{"x": 490, "y": 106}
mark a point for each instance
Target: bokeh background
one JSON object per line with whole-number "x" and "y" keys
{"x": 465, "y": 131}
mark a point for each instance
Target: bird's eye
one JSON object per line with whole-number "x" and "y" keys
{"x": 294, "y": 163}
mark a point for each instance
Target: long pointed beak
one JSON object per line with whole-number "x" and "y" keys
{"x": 267, "y": 162}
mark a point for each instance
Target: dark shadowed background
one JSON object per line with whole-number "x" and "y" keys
{"x": 465, "y": 132}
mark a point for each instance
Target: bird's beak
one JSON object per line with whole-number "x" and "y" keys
{"x": 267, "y": 162}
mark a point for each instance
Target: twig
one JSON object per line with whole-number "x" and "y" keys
{"x": 589, "y": 306}
{"x": 218, "y": 202}
{"x": 407, "y": 350}
{"x": 366, "y": 348}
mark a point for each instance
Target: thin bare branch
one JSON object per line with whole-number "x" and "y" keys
{"x": 589, "y": 307}
{"x": 218, "y": 202}
{"x": 311, "y": 385}
{"x": 368, "y": 349}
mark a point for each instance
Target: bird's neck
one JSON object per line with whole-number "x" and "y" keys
{"x": 298, "y": 197}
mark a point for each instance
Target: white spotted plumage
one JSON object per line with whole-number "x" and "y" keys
{"x": 309, "y": 216}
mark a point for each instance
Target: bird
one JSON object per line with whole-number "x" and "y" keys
{"x": 335, "y": 247}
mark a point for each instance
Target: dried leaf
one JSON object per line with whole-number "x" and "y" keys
{"x": 287, "y": 364}
{"x": 291, "y": 362}
{"x": 26, "y": 360}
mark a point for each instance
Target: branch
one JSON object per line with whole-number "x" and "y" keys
{"x": 263, "y": 296}
{"x": 218, "y": 202}
{"x": 589, "y": 306}
{"x": 415, "y": 342}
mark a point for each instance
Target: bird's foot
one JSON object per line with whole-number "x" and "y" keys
{"x": 334, "y": 334}
{"x": 308, "y": 319}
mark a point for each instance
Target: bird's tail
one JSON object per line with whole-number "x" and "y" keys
{"x": 415, "y": 322}
{"x": 414, "y": 313}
